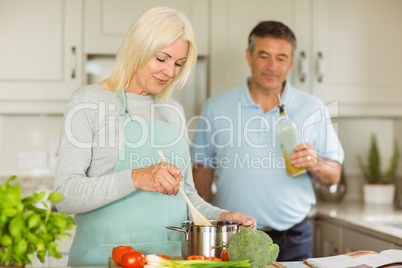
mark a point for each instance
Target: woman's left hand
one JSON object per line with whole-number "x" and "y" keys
{"x": 245, "y": 221}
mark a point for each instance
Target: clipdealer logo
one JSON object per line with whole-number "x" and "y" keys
{"x": 246, "y": 161}
{"x": 107, "y": 131}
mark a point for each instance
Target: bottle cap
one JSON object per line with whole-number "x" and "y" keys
{"x": 280, "y": 105}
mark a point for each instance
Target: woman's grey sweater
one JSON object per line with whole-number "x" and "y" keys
{"x": 91, "y": 138}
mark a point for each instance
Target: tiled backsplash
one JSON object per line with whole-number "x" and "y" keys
{"x": 28, "y": 139}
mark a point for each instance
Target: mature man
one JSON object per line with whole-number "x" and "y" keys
{"x": 236, "y": 143}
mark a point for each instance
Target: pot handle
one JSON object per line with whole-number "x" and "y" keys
{"x": 174, "y": 228}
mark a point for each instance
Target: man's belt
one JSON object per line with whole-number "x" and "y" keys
{"x": 291, "y": 231}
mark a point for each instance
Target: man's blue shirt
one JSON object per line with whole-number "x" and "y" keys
{"x": 238, "y": 140}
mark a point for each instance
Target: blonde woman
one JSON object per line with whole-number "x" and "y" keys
{"x": 109, "y": 169}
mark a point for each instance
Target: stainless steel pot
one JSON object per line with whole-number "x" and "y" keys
{"x": 199, "y": 239}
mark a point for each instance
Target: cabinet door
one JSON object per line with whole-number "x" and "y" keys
{"x": 107, "y": 22}
{"x": 64, "y": 250}
{"x": 40, "y": 63}
{"x": 231, "y": 23}
{"x": 354, "y": 241}
{"x": 357, "y": 55}
{"x": 330, "y": 237}
{"x": 52, "y": 261}
{"x": 37, "y": 263}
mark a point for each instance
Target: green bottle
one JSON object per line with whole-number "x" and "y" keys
{"x": 288, "y": 139}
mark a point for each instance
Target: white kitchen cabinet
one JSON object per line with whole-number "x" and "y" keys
{"x": 40, "y": 54}
{"x": 37, "y": 263}
{"x": 107, "y": 21}
{"x": 356, "y": 56}
{"x": 354, "y": 241}
{"x": 327, "y": 239}
{"x": 64, "y": 250}
{"x": 348, "y": 52}
{"x": 333, "y": 238}
{"x": 231, "y": 23}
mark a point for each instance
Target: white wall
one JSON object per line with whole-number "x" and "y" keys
{"x": 355, "y": 135}
{"x": 34, "y": 136}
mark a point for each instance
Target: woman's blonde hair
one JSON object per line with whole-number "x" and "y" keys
{"x": 156, "y": 28}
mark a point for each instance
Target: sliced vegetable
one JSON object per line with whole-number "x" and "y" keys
{"x": 212, "y": 258}
{"x": 164, "y": 257}
{"x": 224, "y": 255}
{"x": 197, "y": 257}
{"x": 154, "y": 261}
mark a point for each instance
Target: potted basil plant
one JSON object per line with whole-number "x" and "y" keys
{"x": 26, "y": 230}
{"x": 380, "y": 186}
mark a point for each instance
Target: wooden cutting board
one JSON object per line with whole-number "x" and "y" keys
{"x": 276, "y": 264}
{"x": 112, "y": 264}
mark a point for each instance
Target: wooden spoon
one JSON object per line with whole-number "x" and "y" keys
{"x": 198, "y": 218}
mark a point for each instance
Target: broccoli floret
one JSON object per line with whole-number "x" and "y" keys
{"x": 255, "y": 246}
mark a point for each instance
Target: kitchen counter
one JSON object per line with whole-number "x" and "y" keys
{"x": 381, "y": 221}
{"x": 295, "y": 264}
{"x": 287, "y": 264}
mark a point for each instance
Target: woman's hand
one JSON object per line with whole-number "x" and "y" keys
{"x": 245, "y": 221}
{"x": 162, "y": 177}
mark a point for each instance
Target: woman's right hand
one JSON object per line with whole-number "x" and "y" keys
{"x": 161, "y": 177}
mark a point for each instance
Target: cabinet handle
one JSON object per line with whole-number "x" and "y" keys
{"x": 320, "y": 67}
{"x": 302, "y": 67}
{"x": 73, "y": 61}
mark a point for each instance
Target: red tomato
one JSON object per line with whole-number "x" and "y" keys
{"x": 164, "y": 256}
{"x": 212, "y": 258}
{"x": 118, "y": 251}
{"x": 195, "y": 257}
{"x": 133, "y": 259}
{"x": 224, "y": 255}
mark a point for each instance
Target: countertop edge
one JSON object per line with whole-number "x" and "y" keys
{"x": 367, "y": 219}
